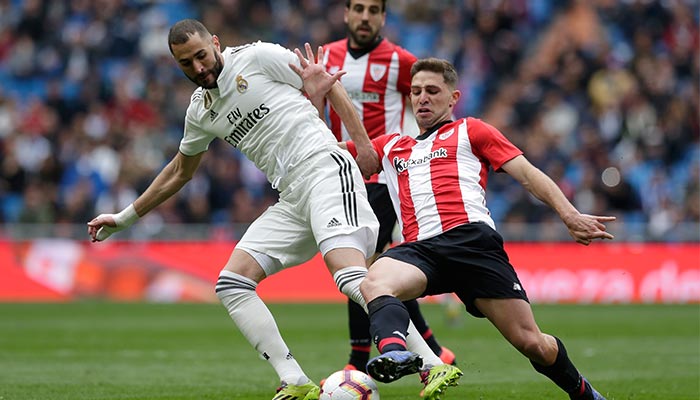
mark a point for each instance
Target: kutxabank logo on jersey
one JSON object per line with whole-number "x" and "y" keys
{"x": 243, "y": 124}
{"x": 401, "y": 164}
{"x": 363, "y": 97}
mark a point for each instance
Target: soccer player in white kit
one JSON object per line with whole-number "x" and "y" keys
{"x": 249, "y": 97}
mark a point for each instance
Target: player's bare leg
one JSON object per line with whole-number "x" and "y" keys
{"x": 547, "y": 354}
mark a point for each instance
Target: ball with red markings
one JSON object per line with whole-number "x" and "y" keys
{"x": 349, "y": 385}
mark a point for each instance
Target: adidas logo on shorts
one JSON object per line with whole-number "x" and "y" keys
{"x": 333, "y": 222}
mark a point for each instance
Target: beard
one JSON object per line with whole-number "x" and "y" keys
{"x": 215, "y": 72}
{"x": 363, "y": 39}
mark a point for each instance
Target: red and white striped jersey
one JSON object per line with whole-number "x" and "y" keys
{"x": 377, "y": 83}
{"x": 437, "y": 181}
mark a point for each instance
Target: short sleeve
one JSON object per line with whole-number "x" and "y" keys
{"x": 194, "y": 140}
{"x": 490, "y": 144}
{"x": 274, "y": 60}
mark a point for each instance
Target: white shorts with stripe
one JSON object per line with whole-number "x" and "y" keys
{"x": 323, "y": 205}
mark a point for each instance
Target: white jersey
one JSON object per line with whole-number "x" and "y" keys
{"x": 258, "y": 108}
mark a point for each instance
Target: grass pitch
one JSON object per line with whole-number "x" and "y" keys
{"x": 193, "y": 351}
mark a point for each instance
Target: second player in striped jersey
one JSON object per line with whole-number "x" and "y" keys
{"x": 378, "y": 82}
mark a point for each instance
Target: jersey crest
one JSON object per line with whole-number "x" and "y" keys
{"x": 241, "y": 84}
{"x": 446, "y": 135}
{"x": 377, "y": 71}
{"x": 207, "y": 99}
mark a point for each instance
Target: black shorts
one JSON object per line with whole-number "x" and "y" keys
{"x": 468, "y": 260}
{"x": 380, "y": 200}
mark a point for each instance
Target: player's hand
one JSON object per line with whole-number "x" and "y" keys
{"x": 586, "y": 228}
{"x": 317, "y": 82}
{"x": 102, "y": 227}
{"x": 368, "y": 161}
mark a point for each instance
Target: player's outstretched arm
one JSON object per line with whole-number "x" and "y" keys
{"x": 168, "y": 182}
{"x": 317, "y": 81}
{"x": 583, "y": 228}
{"x": 316, "y": 84}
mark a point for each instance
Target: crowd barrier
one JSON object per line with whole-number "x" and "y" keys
{"x": 67, "y": 270}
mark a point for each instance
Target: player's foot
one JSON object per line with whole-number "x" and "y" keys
{"x": 447, "y": 356}
{"x": 307, "y": 391}
{"x": 437, "y": 379}
{"x": 587, "y": 392}
{"x": 348, "y": 367}
{"x": 392, "y": 365}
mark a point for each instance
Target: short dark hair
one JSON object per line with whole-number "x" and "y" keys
{"x": 182, "y": 31}
{"x": 347, "y": 4}
{"x": 439, "y": 66}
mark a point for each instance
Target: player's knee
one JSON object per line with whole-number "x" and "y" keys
{"x": 371, "y": 288}
{"x": 230, "y": 283}
{"x": 348, "y": 280}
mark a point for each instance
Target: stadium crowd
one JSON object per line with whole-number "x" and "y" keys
{"x": 602, "y": 95}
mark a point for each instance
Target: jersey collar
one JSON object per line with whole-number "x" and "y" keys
{"x": 357, "y": 53}
{"x": 430, "y": 131}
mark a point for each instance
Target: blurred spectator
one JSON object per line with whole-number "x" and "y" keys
{"x": 602, "y": 95}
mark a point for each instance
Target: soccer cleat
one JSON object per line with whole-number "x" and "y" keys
{"x": 307, "y": 391}
{"x": 596, "y": 395}
{"x": 392, "y": 365}
{"x": 437, "y": 379}
{"x": 587, "y": 392}
{"x": 447, "y": 356}
{"x": 348, "y": 367}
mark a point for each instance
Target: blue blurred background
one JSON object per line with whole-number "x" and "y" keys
{"x": 602, "y": 95}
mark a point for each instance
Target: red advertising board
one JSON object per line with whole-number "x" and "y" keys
{"x": 63, "y": 270}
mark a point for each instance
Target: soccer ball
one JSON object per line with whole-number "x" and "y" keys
{"x": 349, "y": 385}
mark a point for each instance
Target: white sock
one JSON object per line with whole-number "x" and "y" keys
{"x": 348, "y": 281}
{"x": 256, "y": 323}
{"x": 416, "y": 343}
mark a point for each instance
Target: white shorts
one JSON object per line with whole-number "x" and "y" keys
{"x": 323, "y": 205}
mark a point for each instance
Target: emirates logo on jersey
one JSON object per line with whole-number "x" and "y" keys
{"x": 401, "y": 164}
{"x": 377, "y": 71}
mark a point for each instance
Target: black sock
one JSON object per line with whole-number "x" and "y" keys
{"x": 422, "y": 326}
{"x": 562, "y": 372}
{"x": 360, "y": 339}
{"x": 388, "y": 323}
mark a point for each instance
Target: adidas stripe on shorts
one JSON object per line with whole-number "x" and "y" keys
{"x": 321, "y": 199}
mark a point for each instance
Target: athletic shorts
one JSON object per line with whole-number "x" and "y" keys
{"x": 468, "y": 260}
{"x": 380, "y": 200}
{"x": 324, "y": 199}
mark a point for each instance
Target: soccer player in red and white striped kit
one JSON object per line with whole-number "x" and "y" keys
{"x": 377, "y": 79}
{"x": 438, "y": 182}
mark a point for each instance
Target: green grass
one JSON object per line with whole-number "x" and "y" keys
{"x": 193, "y": 351}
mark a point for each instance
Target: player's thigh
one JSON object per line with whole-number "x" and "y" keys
{"x": 338, "y": 207}
{"x": 389, "y": 276}
{"x": 280, "y": 238}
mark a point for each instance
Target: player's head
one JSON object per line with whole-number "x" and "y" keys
{"x": 364, "y": 20}
{"x": 196, "y": 52}
{"x": 433, "y": 91}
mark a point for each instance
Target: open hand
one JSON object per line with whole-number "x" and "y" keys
{"x": 317, "y": 82}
